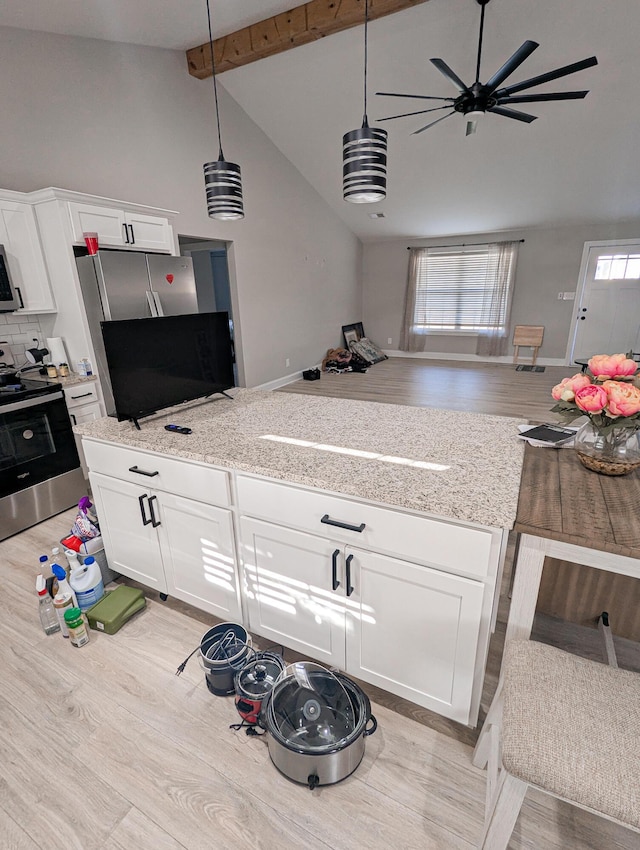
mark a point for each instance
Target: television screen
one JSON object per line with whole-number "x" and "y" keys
{"x": 158, "y": 362}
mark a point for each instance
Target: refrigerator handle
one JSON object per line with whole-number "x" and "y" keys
{"x": 152, "y": 303}
{"x": 158, "y": 303}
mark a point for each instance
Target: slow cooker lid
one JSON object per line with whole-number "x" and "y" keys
{"x": 311, "y": 710}
{"x": 260, "y": 675}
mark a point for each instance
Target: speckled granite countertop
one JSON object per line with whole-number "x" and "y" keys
{"x": 463, "y": 466}
{"x": 73, "y": 380}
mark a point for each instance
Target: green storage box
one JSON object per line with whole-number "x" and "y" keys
{"x": 115, "y": 608}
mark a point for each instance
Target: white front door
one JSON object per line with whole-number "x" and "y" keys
{"x": 607, "y": 318}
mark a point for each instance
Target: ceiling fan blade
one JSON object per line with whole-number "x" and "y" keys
{"x": 420, "y": 96}
{"x": 513, "y": 113}
{"x": 407, "y": 114}
{"x": 540, "y": 98}
{"x": 471, "y": 128}
{"x": 522, "y": 53}
{"x": 422, "y": 129}
{"x": 442, "y": 66}
{"x": 549, "y": 76}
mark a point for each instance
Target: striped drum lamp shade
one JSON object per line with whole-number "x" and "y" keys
{"x": 364, "y": 151}
{"x": 364, "y": 165}
{"x": 223, "y": 185}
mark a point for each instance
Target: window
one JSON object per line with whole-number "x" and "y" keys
{"x": 618, "y": 267}
{"x": 463, "y": 289}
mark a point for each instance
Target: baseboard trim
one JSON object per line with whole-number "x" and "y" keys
{"x": 473, "y": 358}
{"x": 286, "y": 379}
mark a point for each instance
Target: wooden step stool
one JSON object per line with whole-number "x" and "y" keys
{"x": 529, "y": 336}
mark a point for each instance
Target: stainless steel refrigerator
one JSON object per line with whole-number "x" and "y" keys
{"x": 132, "y": 285}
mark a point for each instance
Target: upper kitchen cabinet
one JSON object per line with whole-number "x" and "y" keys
{"x": 122, "y": 228}
{"x": 21, "y": 240}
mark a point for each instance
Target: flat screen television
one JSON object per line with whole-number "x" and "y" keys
{"x": 162, "y": 361}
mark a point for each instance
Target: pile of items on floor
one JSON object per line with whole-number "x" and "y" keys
{"x": 359, "y": 354}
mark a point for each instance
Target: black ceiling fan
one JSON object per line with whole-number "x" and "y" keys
{"x": 479, "y": 98}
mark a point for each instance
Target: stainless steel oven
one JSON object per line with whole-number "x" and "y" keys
{"x": 40, "y": 472}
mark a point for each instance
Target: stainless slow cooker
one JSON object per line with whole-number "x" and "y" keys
{"x": 317, "y": 721}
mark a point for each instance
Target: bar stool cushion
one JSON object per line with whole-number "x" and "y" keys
{"x": 572, "y": 727}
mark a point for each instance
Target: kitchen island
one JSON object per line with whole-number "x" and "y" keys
{"x": 368, "y": 536}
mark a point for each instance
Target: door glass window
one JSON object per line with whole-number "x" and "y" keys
{"x": 618, "y": 267}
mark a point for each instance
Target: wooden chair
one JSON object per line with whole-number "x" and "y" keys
{"x": 564, "y": 725}
{"x": 529, "y": 336}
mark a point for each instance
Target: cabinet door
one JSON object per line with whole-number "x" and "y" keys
{"x": 150, "y": 232}
{"x": 132, "y": 548}
{"x": 198, "y": 555}
{"x": 20, "y": 237}
{"x": 107, "y": 222}
{"x": 413, "y": 631}
{"x": 288, "y": 587}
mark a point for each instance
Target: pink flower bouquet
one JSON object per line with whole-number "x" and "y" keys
{"x": 605, "y": 394}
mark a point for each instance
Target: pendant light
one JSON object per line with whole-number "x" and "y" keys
{"x": 222, "y": 179}
{"x": 364, "y": 152}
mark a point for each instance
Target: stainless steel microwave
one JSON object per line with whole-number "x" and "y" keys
{"x": 10, "y": 299}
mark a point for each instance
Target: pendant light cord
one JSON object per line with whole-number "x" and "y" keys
{"x": 215, "y": 87}
{"x": 479, "y": 43}
{"x": 365, "y": 120}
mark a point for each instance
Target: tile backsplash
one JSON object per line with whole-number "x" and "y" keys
{"x": 17, "y": 333}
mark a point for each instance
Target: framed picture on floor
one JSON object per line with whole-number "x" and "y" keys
{"x": 352, "y": 333}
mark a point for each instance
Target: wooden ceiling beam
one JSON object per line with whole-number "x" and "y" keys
{"x": 301, "y": 25}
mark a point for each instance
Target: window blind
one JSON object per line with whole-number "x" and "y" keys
{"x": 456, "y": 289}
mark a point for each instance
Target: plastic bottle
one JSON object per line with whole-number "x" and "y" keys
{"x": 47, "y": 612}
{"x": 63, "y": 585}
{"x": 86, "y": 581}
{"x": 72, "y": 559}
{"x": 62, "y": 602}
{"x": 78, "y": 632}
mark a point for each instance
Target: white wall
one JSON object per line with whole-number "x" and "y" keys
{"x": 128, "y": 122}
{"x": 548, "y": 263}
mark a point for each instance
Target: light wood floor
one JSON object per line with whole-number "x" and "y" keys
{"x": 449, "y": 384}
{"x": 104, "y": 748}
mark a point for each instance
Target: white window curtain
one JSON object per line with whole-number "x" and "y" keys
{"x": 460, "y": 289}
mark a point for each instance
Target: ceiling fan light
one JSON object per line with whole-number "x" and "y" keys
{"x": 364, "y": 165}
{"x": 223, "y": 185}
{"x": 475, "y": 114}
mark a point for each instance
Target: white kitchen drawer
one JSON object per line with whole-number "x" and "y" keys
{"x": 159, "y": 472}
{"x": 449, "y": 546}
{"x": 84, "y": 393}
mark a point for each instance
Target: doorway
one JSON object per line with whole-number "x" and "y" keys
{"x": 607, "y": 316}
{"x": 213, "y": 278}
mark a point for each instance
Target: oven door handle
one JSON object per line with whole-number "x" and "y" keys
{"x": 31, "y": 402}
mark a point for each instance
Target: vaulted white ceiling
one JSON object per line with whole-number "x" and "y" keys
{"x": 577, "y": 163}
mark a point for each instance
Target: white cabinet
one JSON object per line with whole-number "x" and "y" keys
{"x": 83, "y": 404}
{"x": 398, "y": 600}
{"x": 288, "y": 590}
{"x": 409, "y": 629}
{"x": 161, "y": 538}
{"x": 20, "y": 237}
{"x": 119, "y": 228}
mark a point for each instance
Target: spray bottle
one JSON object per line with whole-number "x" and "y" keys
{"x": 64, "y": 599}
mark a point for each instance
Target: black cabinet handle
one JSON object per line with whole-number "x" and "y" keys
{"x": 154, "y": 522}
{"x": 84, "y": 395}
{"x": 133, "y": 238}
{"x": 126, "y": 234}
{"x": 142, "y": 472}
{"x": 350, "y": 589}
{"x": 145, "y": 519}
{"x": 74, "y": 421}
{"x": 17, "y": 289}
{"x": 326, "y": 519}
{"x": 335, "y": 584}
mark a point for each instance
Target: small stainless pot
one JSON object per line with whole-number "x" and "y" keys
{"x": 331, "y": 746}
